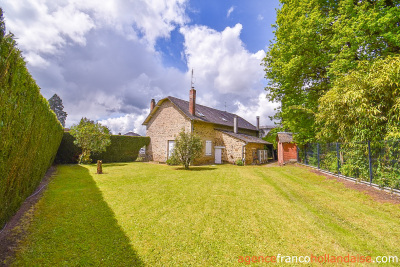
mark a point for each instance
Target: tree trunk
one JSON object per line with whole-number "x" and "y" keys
{"x": 99, "y": 167}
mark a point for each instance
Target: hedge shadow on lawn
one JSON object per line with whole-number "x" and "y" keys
{"x": 75, "y": 226}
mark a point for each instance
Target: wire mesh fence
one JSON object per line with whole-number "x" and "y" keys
{"x": 374, "y": 162}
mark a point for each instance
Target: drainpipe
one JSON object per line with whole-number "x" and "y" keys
{"x": 243, "y": 151}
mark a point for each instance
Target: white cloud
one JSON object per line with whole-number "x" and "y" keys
{"x": 260, "y": 17}
{"x": 259, "y": 107}
{"x": 46, "y": 26}
{"x": 101, "y": 59}
{"x": 230, "y": 10}
{"x": 127, "y": 123}
{"x": 221, "y": 61}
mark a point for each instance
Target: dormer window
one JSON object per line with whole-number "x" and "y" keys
{"x": 224, "y": 119}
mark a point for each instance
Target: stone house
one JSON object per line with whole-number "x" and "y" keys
{"x": 226, "y": 136}
{"x": 287, "y": 149}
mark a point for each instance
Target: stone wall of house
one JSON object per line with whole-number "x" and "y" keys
{"x": 165, "y": 125}
{"x": 233, "y": 147}
{"x": 206, "y": 132}
{"x": 251, "y": 152}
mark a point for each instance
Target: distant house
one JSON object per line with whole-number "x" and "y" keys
{"x": 132, "y": 134}
{"x": 287, "y": 149}
{"x": 264, "y": 130}
{"x": 226, "y": 136}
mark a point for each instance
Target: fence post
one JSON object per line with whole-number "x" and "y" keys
{"x": 370, "y": 163}
{"x": 338, "y": 159}
{"x": 318, "y": 154}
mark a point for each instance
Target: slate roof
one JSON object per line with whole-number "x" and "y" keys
{"x": 246, "y": 138}
{"x": 205, "y": 114}
{"x": 132, "y": 134}
{"x": 285, "y": 137}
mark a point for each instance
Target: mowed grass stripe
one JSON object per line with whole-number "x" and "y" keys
{"x": 341, "y": 212}
{"x": 208, "y": 216}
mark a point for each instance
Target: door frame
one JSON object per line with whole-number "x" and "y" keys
{"x": 215, "y": 153}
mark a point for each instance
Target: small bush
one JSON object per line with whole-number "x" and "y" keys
{"x": 239, "y": 162}
{"x": 172, "y": 161}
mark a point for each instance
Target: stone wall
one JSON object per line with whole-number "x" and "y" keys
{"x": 207, "y": 133}
{"x": 251, "y": 152}
{"x": 165, "y": 125}
{"x": 233, "y": 147}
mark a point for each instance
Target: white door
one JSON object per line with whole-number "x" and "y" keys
{"x": 171, "y": 145}
{"x": 218, "y": 154}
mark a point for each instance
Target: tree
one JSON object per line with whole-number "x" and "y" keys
{"x": 188, "y": 147}
{"x": 363, "y": 105}
{"x": 57, "y": 106}
{"x": 319, "y": 41}
{"x": 91, "y": 137}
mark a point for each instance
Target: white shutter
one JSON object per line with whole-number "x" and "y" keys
{"x": 208, "y": 148}
{"x": 171, "y": 145}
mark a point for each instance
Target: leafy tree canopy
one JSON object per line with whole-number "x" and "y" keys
{"x": 188, "y": 147}
{"x": 91, "y": 137}
{"x": 317, "y": 42}
{"x": 57, "y": 106}
{"x": 363, "y": 105}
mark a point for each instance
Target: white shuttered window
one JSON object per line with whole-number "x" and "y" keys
{"x": 208, "y": 148}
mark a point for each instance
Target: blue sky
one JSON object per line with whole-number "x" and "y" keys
{"x": 255, "y": 16}
{"x": 108, "y": 60}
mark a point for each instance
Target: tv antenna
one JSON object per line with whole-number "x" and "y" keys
{"x": 192, "y": 80}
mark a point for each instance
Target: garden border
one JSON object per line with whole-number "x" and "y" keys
{"x": 386, "y": 189}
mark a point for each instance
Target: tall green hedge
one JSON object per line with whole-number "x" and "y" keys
{"x": 29, "y": 131}
{"x": 122, "y": 149}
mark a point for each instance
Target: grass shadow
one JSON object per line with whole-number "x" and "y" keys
{"x": 73, "y": 225}
{"x": 196, "y": 169}
{"x": 115, "y": 164}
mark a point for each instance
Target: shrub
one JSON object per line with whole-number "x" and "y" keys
{"x": 188, "y": 147}
{"x": 172, "y": 161}
{"x": 68, "y": 152}
{"x": 239, "y": 162}
{"x": 30, "y": 132}
{"x": 122, "y": 149}
{"x": 91, "y": 137}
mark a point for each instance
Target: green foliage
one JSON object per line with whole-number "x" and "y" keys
{"x": 57, "y": 106}
{"x": 272, "y": 135}
{"x": 172, "y": 161}
{"x": 29, "y": 131}
{"x": 319, "y": 41}
{"x": 188, "y": 147}
{"x": 239, "y": 162}
{"x": 68, "y": 152}
{"x": 354, "y": 160}
{"x": 91, "y": 137}
{"x": 122, "y": 149}
{"x": 363, "y": 105}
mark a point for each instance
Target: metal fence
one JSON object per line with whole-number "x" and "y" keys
{"x": 373, "y": 162}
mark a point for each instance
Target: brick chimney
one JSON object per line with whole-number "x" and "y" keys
{"x": 152, "y": 104}
{"x": 192, "y": 101}
{"x": 235, "y": 124}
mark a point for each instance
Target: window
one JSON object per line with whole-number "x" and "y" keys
{"x": 208, "y": 148}
{"x": 171, "y": 145}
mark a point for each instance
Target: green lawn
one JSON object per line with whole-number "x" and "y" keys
{"x": 157, "y": 215}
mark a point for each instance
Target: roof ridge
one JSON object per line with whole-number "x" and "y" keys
{"x": 207, "y": 107}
